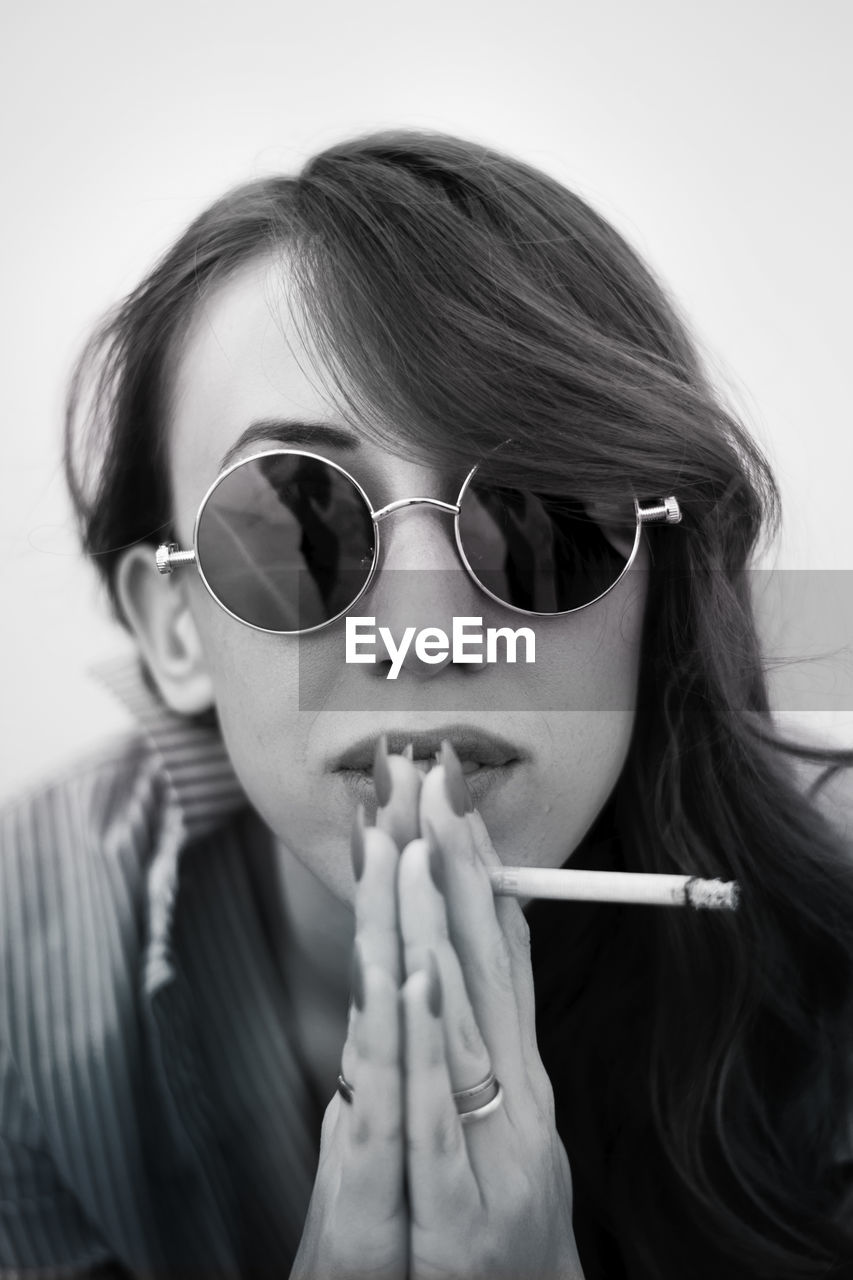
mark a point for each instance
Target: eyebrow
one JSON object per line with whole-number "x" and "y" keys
{"x": 291, "y": 431}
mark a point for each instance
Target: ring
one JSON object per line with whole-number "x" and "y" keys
{"x": 480, "y": 1100}
{"x": 471, "y": 1104}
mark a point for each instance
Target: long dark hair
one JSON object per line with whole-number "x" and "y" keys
{"x": 475, "y": 300}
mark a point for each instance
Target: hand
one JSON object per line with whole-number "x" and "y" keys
{"x": 357, "y": 1225}
{"x": 490, "y": 1198}
{"x": 493, "y": 1197}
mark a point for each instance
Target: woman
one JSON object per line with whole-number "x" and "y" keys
{"x": 645, "y": 1093}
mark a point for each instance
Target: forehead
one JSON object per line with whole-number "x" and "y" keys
{"x": 242, "y": 360}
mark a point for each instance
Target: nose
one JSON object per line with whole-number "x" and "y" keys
{"x": 420, "y": 582}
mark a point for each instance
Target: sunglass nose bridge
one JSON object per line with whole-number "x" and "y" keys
{"x": 452, "y": 508}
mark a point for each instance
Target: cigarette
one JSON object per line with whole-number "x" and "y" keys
{"x": 615, "y": 886}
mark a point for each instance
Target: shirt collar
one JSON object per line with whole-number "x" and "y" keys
{"x": 192, "y": 756}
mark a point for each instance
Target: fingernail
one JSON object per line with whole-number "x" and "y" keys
{"x": 409, "y": 751}
{"x": 356, "y": 844}
{"x": 381, "y": 772}
{"x": 357, "y": 978}
{"x": 436, "y": 860}
{"x": 455, "y": 785}
{"x": 433, "y": 985}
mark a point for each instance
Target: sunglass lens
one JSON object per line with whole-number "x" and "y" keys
{"x": 542, "y": 553}
{"x": 286, "y": 542}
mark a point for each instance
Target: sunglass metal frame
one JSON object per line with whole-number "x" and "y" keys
{"x": 169, "y": 555}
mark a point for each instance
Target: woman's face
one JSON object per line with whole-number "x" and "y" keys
{"x": 291, "y": 708}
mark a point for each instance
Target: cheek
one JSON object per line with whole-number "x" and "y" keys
{"x": 590, "y": 660}
{"x": 256, "y": 688}
{"x": 260, "y": 681}
{"x": 589, "y": 752}
{"x": 591, "y": 677}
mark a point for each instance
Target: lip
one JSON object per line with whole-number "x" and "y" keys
{"x": 476, "y": 748}
{"x": 358, "y": 783}
{"x": 489, "y": 761}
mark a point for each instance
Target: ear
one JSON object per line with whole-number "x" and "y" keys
{"x": 159, "y": 616}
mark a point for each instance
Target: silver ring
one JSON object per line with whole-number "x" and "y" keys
{"x": 471, "y": 1104}
{"x": 478, "y": 1096}
{"x": 468, "y": 1117}
{"x": 480, "y": 1101}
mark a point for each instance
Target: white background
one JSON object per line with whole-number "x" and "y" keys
{"x": 715, "y": 136}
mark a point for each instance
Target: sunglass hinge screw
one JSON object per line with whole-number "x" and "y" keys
{"x": 665, "y": 512}
{"x": 168, "y": 555}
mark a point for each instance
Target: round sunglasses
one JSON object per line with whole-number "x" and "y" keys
{"x": 288, "y": 542}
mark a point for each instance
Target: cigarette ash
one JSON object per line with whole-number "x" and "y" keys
{"x": 712, "y": 895}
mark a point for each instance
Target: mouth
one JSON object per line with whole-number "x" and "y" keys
{"x": 486, "y": 758}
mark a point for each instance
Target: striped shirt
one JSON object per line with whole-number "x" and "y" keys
{"x": 155, "y": 1114}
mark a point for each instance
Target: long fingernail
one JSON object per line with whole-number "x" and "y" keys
{"x": 433, "y": 985}
{"x": 409, "y": 751}
{"x": 455, "y": 785}
{"x": 357, "y": 978}
{"x": 436, "y": 860}
{"x": 381, "y": 772}
{"x": 356, "y": 844}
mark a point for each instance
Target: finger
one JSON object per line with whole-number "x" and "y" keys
{"x": 514, "y": 926}
{"x": 371, "y": 1125}
{"x": 440, "y": 1179}
{"x": 398, "y": 787}
{"x": 423, "y": 924}
{"x": 375, "y": 857}
{"x": 513, "y": 923}
{"x": 493, "y": 961}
